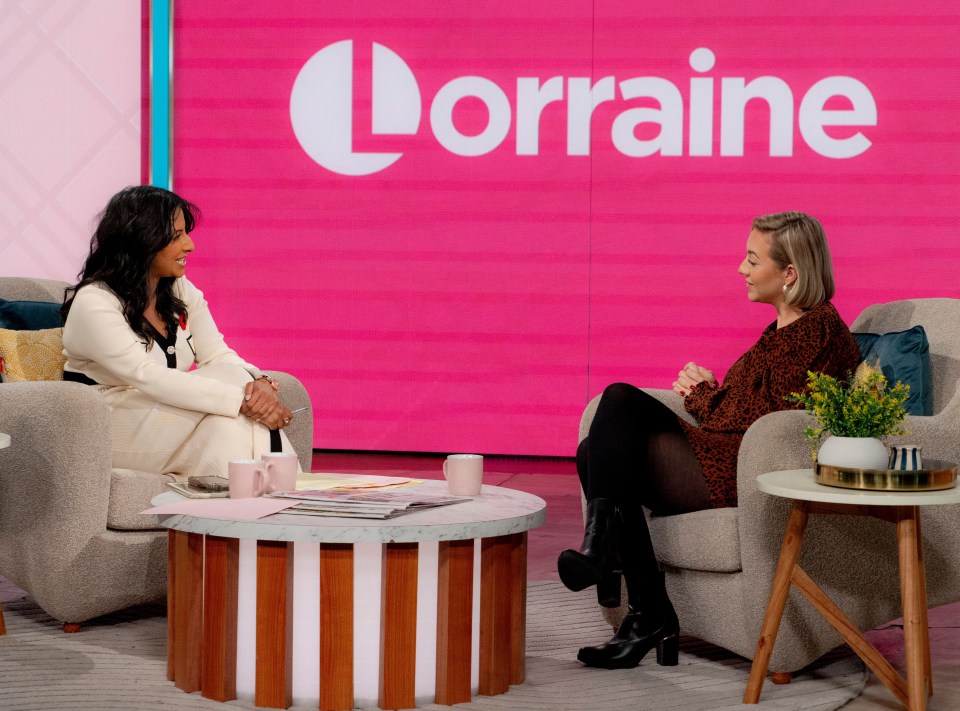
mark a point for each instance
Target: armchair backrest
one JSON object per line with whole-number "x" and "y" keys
{"x": 30, "y": 289}
{"x": 940, "y": 319}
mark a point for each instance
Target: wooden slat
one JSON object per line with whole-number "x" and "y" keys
{"x": 274, "y": 648}
{"x": 779, "y": 590}
{"x": 171, "y": 603}
{"x": 336, "y": 627}
{"x": 495, "y": 605}
{"x": 219, "y": 677}
{"x": 518, "y": 607}
{"x": 454, "y": 621}
{"x": 188, "y": 610}
{"x": 398, "y": 647}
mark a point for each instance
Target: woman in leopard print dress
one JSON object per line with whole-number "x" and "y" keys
{"x": 639, "y": 453}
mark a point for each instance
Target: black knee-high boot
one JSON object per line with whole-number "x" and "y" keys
{"x": 598, "y": 560}
{"x": 651, "y": 620}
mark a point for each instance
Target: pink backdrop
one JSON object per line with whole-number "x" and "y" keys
{"x": 475, "y": 293}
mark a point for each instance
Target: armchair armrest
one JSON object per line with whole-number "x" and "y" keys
{"x": 300, "y": 431}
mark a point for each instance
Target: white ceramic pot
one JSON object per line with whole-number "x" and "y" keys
{"x": 856, "y": 452}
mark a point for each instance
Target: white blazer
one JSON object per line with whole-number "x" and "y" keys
{"x": 98, "y": 342}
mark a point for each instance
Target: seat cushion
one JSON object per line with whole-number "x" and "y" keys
{"x": 903, "y": 356}
{"x": 702, "y": 540}
{"x": 130, "y": 493}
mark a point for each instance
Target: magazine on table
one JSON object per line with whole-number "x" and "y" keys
{"x": 364, "y": 504}
{"x": 192, "y": 492}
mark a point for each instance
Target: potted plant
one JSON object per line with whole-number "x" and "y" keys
{"x": 856, "y": 414}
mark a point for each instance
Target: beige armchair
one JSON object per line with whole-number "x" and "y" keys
{"x": 70, "y": 531}
{"x": 719, "y": 564}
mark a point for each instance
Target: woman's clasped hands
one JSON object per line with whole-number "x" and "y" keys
{"x": 261, "y": 404}
{"x": 691, "y": 376}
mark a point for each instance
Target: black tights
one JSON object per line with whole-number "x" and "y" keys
{"x": 636, "y": 454}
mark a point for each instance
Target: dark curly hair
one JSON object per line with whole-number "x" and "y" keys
{"x": 136, "y": 224}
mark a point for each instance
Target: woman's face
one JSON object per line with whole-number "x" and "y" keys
{"x": 171, "y": 261}
{"x": 764, "y": 278}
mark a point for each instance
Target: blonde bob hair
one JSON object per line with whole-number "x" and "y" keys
{"x": 798, "y": 239}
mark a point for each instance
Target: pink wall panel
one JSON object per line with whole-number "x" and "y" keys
{"x": 457, "y": 302}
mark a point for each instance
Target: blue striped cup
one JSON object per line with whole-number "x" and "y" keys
{"x": 906, "y": 457}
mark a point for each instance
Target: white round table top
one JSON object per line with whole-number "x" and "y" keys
{"x": 801, "y": 484}
{"x": 495, "y": 512}
{"x": 4, "y": 440}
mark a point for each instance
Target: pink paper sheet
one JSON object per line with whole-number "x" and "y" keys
{"x": 229, "y": 509}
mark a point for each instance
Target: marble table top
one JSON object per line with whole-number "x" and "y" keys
{"x": 495, "y": 512}
{"x": 801, "y": 484}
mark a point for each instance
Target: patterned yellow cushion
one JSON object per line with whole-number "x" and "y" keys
{"x": 31, "y": 355}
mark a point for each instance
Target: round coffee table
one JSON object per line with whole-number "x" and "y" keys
{"x": 428, "y": 607}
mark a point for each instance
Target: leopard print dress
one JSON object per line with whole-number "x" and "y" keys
{"x": 756, "y": 385}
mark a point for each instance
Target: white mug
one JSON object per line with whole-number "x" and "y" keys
{"x": 281, "y": 471}
{"x": 248, "y": 478}
{"x": 464, "y": 474}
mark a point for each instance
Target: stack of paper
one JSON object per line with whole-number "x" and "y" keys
{"x": 352, "y": 503}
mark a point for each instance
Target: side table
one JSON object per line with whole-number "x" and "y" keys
{"x": 4, "y": 442}
{"x": 901, "y": 508}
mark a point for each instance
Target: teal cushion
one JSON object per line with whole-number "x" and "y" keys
{"x": 29, "y": 315}
{"x": 903, "y": 356}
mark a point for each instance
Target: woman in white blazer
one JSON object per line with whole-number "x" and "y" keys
{"x": 134, "y": 326}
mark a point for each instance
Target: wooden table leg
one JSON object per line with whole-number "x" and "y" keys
{"x": 924, "y": 623}
{"x": 913, "y": 616}
{"x": 454, "y": 621}
{"x": 336, "y": 627}
{"x": 789, "y": 553}
{"x": 274, "y": 645}
{"x": 220, "y": 585}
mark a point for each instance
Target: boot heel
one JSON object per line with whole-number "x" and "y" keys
{"x": 668, "y": 651}
{"x": 608, "y": 589}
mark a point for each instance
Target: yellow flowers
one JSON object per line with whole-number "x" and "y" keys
{"x": 862, "y": 408}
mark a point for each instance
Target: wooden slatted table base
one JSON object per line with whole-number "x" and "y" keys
{"x": 913, "y": 691}
{"x": 202, "y": 604}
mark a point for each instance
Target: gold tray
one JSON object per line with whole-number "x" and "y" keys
{"x": 934, "y": 476}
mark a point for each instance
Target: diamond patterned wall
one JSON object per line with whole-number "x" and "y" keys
{"x": 70, "y": 88}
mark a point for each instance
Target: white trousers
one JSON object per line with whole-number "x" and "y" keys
{"x": 153, "y": 437}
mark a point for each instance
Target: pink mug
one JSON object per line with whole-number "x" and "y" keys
{"x": 464, "y": 474}
{"x": 248, "y": 478}
{"x": 282, "y": 468}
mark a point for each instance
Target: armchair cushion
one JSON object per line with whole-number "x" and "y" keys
{"x": 31, "y": 355}
{"x": 130, "y": 493}
{"x": 903, "y": 356}
{"x": 703, "y": 540}
{"x": 29, "y": 315}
